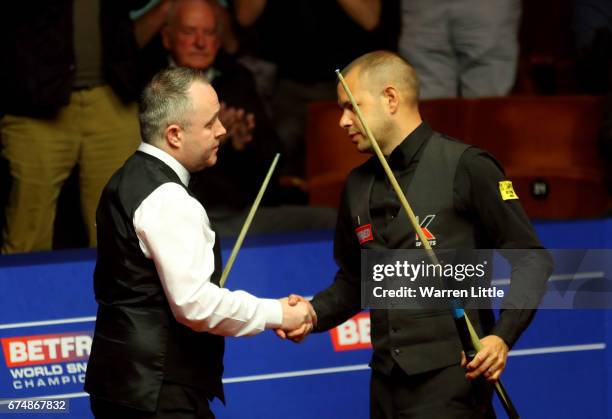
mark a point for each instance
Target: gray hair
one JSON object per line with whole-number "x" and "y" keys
{"x": 176, "y": 4}
{"x": 166, "y": 101}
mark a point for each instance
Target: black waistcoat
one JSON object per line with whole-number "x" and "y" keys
{"x": 137, "y": 341}
{"x": 419, "y": 340}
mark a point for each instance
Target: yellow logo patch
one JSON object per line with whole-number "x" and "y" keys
{"x": 507, "y": 191}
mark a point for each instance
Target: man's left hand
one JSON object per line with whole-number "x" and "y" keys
{"x": 490, "y": 361}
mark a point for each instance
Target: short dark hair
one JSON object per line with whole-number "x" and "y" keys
{"x": 166, "y": 101}
{"x": 380, "y": 67}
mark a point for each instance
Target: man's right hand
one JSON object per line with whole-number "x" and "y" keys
{"x": 297, "y": 334}
{"x": 295, "y": 316}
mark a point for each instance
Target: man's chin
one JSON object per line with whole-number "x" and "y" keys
{"x": 212, "y": 160}
{"x": 364, "y": 148}
{"x": 209, "y": 162}
{"x": 197, "y": 63}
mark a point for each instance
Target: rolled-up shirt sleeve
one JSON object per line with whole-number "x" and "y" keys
{"x": 174, "y": 231}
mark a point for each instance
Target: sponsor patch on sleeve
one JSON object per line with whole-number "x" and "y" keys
{"x": 507, "y": 191}
{"x": 364, "y": 233}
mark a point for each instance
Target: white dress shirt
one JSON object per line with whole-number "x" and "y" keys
{"x": 174, "y": 231}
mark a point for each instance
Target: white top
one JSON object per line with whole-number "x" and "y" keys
{"x": 174, "y": 231}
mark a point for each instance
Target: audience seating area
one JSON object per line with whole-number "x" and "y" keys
{"x": 547, "y": 146}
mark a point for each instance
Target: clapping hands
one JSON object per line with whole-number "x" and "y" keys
{"x": 239, "y": 125}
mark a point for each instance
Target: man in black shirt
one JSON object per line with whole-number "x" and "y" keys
{"x": 468, "y": 203}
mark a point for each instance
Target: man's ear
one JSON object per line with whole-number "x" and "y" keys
{"x": 166, "y": 37}
{"x": 392, "y": 99}
{"x": 174, "y": 135}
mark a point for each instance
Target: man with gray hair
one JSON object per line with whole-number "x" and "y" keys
{"x": 191, "y": 39}
{"x": 158, "y": 343}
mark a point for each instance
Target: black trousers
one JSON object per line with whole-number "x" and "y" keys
{"x": 444, "y": 393}
{"x": 175, "y": 402}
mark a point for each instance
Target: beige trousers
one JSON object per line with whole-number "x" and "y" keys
{"x": 96, "y": 131}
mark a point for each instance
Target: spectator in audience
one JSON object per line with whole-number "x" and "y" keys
{"x": 156, "y": 13}
{"x": 191, "y": 39}
{"x": 307, "y": 40}
{"x": 593, "y": 39}
{"x": 605, "y": 147}
{"x": 68, "y": 83}
{"x": 605, "y": 137}
{"x": 465, "y": 48}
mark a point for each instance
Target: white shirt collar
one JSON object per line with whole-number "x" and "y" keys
{"x": 174, "y": 164}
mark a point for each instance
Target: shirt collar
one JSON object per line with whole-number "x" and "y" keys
{"x": 404, "y": 153}
{"x": 210, "y": 73}
{"x": 174, "y": 164}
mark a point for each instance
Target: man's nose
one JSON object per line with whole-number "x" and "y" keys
{"x": 345, "y": 120}
{"x": 200, "y": 40}
{"x": 221, "y": 131}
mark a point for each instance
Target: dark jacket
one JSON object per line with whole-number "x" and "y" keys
{"x": 36, "y": 38}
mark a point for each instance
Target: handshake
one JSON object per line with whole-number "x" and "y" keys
{"x": 299, "y": 318}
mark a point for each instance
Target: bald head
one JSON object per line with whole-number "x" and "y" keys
{"x": 379, "y": 69}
